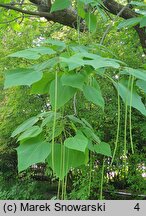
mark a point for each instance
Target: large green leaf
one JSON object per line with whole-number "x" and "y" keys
{"x": 49, "y": 118}
{"x": 49, "y": 64}
{"x": 57, "y": 43}
{"x": 21, "y": 76}
{"x": 34, "y": 150}
{"x": 140, "y": 4}
{"x": 84, "y": 58}
{"x": 90, "y": 134}
{"x": 93, "y": 95}
{"x": 141, "y": 84}
{"x": 129, "y": 22}
{"x": 143, "y": 22}
{"x": 30, "y": 132}
{"x": 79, "y": 142}
{"x": 91, "y": 21}
{"x": 25, "y": 125}
{"x": 64, "y": 93}
{"x": 58, "y": 130}
{"x": 27, "y": 54}
{"x": 42, "y": 50}
{"x": 142, "y": 12}
{"x": 71, "y": 158}
{"x": 43, "y": 85}
{"x": 80, "y": 9}
{"x": 60, "y": 5}
{"x": 103, "y": 148}
{"x": 73, "y": 62}
{"x": 33, "y": 53}
{"x": 97, "y": 61}
{"x": 86, "y": 123}
{"x": 101, "y": 63}
{"x": 75, "y": 80}
{"x": 129, "y": 98}
{"x": 75, "y": 119}
{"x": 138, "y": 73}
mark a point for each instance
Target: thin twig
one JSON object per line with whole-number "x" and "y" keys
{"x": 40, "y": 14}
{"x": 111, "y": 24}
{"x": 7, "y": 22}
{"x": 74, "y": 104}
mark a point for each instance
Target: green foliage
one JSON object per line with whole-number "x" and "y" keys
{"x": 130, "y": 22}
{"x": 25, "y": 189}
{"x": 94, "y": 95}
{"x": 138, "y": 73}
{"x": 141, "y": 84}
{"x": 31, "y": 151}
{"x": 65, "y": 159}
{"x": 75, "y": 80}
{"x": 22, "y": 76}
{"x": 59, "y": 5}
{"x": 130, "y": 98}
{"x": 33, "y": 53}
{"x": 63, "y": 93}
{"x": 62, "y": 89}
{"x": 78, "y": 142}
{"x": 103, "y": 148}
{"x": 25, "y": 125}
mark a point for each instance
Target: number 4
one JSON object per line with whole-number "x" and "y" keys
{"x": 137, "y": 207}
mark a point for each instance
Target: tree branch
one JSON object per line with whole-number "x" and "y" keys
{"x": 115, "y": 8}
{"x": 128, "y": 13}
{"x": 33, "y": 13}
{"x": 66, "y": 17}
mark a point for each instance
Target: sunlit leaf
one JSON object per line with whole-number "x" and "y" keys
{"x": 141, "y": 4}
{"x": 55, "y": 42}
{"x": 75, "y": 119}
{"x": 64, "y": 93}
{"x": 33, "y": 53}
{"x": 130, "y": 98}
{"x": 72, "y": 159}
{"x": 25, "y": 125}
{"x": 93, "y": 95}
{"x": 49, "y": 64}
{"x": 103, "y": 148}
{"x": 129, "y": 22}
{"x": 73, "y": 62}
{"x": 75, "y": 80}
{"x": 90, "y": 134}
{"x": 60, "y": 5}
{"x": 80, "y": 9}
{"x": 138, "y": 73}
{"x": 49, "y": 118}
{"x": 43, "y": 85}
{"x": 143, "y": 22}
{"x": 30, "y": 132}
{"x": 91, "y": 21}
{"x": 141, "y": 84}
{"x": 21, "y": 76}
{"x": 32, "y": 151}
{"x": 79, "y": 142}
